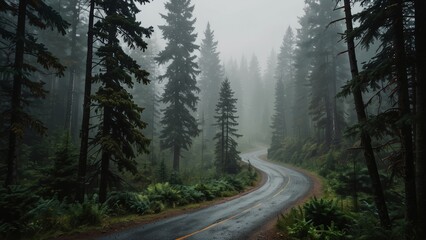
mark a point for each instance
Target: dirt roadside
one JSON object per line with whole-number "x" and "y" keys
{"x": 139, "y": 220}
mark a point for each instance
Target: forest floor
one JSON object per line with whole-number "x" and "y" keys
{"x": 116, "y": 224}
{"x": 269, "y": 230}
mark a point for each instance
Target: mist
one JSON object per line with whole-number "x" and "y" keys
{"x": 219, "y": 114}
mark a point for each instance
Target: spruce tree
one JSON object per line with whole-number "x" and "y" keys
{"x": 210, "y": 78}
{"x": 180, "y": 90}
{"x": 24, "y": 84}
{"x": 420, "y": 35}
{"x": 119, "y": 134}
{"x": 226, "y": 151}
{"x": 278, "y": 120}
{"x": 285, "y": 72}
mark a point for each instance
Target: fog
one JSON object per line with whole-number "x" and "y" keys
{"x": 242, "y": 27}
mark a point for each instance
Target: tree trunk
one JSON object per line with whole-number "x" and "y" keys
{"x": 84, "y": 146}
{"x": 379, "y": 197}
{"x": 106, "y": 155}
{"x": 176, "y": 158}
{"x": 72, "y": 69}
{"x": 16, "y": 109}
{"x": 420, "y": 35}
{"x": 404, "y": 108}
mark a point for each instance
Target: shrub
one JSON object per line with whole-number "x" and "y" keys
{"x": 88, "y": 213}
{"x": 163, "y": 192}
{"x": 15, "y": 203}
{"x": 48, "y": 214}
{"x": 127, "y": 202}
{"x": 326, "y": 213}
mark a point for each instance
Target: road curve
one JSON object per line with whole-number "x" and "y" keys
{"x": 235, "y": 219}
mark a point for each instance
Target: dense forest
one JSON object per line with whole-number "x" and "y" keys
{"x": 101, "y": 118}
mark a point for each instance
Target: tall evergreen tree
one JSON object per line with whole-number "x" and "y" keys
{"x": 390, "y": 67}
{"x": 226, "y": 122}
{"x": 85, "y": 122}
{"x": 180, "y": 91}
{"x": 120, "y": 126}
{"x": 269, "y": 89}
{"x": 210, "y": 77}
{"x": 253, "y": 91}
{"x": 285, "y": 72}
{"x": 323, "y": 42}
{"x": 420, "y": 36}
{"x": 302, "y": 124}
{"x": 23, "y": 88}
{"x": 278, "y": 120}
{"x": 366, "y": 142}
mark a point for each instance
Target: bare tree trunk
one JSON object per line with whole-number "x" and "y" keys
{"x": 72, "y": 69}
{"x": 404, "y": 108}
{"x": 370, "y": 160}
{"x": 420, "y": 34}
{"x": 84, "y": 146}
{"x": 106, "y": 155}
{"x": 176, "y": 158}
{"x": 16, "y": 109}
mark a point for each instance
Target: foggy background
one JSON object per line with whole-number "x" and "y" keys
{"x": 242, "y": 27}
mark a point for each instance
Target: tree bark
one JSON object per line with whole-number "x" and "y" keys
{"x": 84, "y": 145}
{"x": 72, "y": 69}
{"x": 106, "y": 155}
{"x": 176, "y": 158}
{"x": 16, "y": 109}
{"x": 404, "y": 108}
{"x": 420, "y": 35}
{"x": 379, "y": 197}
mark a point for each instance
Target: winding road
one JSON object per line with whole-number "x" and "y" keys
{"x": 235, "y": 219}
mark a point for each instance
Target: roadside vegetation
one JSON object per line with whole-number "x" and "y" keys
{"x": 346, "y": 209}
{"x": 44, "y": 207}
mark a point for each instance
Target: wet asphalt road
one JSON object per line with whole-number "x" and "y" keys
{"x": 236, "y": 219}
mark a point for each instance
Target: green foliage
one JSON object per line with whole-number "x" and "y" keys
{"x": 326, "y": 213}
{"x": 48, "y": 214}
{"x": 226, "y": 151}
{"x": 159, "y": 196}
{"x": 88, "y": 213}
{"x": 180, "y": 90}
{"x": 316, "y": 220}
{"x": 127, "y": 202}
{"x": 61, "y": 178}
{"x": 15, "y": 204}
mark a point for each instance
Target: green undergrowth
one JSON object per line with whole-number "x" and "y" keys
{"x": 346, "y": 209}
{"x": 24, "y": 215}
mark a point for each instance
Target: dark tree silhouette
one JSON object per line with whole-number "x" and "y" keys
{"x": 226, "y": 122}
{"x": 38, "y": 14}
{"x": 120, "y": 126}
{"x": 179, "y": 95}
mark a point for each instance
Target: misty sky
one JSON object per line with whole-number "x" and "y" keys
{"x": 240, "y": 26}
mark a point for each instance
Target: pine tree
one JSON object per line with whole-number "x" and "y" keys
{"x": 420, "y": 39}
{"x": 119, "y": 135}
{"x": 269, "y": 85}
{"x": 210, "y": 78}
{"x": 366, "y": 143}
{"x": 23, "y": 88}
{"x": 147, "y": 96}
{"x": 226, "y": 151}
{"x": 278, "y": 120}
{"x": 323, "y": 41}
{"x": 85, "y": 122}
{"x": 179, "y": 123}
{"x": 254, "y": 91}
{"x": 285, "y": 72}
{"x": 302, "y": 128}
